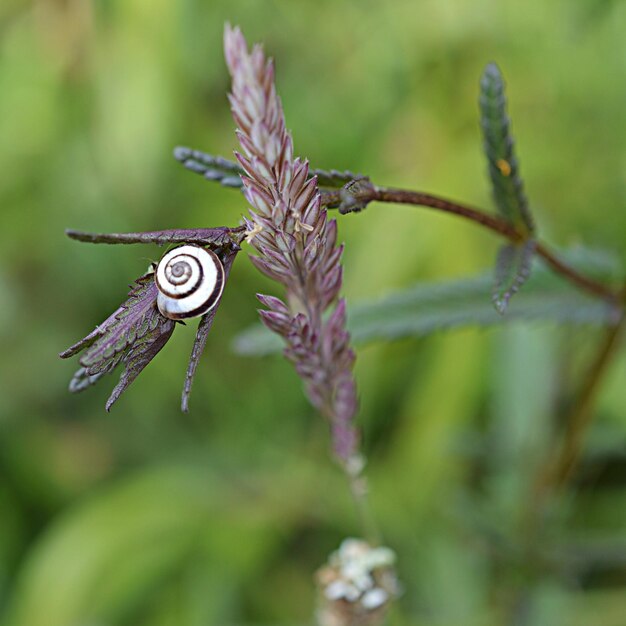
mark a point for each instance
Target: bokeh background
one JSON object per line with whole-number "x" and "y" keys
{"x": 146, "y": 516}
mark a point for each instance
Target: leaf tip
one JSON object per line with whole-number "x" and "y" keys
{"x": 181, "y": 153}
{"x": 492, "y": 70}
{"x": 184, "y": 403}
{"x": 501, "y": 304}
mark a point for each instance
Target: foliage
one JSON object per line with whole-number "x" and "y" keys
{"x": 507, "y": 185}
{"x": 426, "y": 308}
{"x": 149, "y": 518}
{"x": 514, "y": 259}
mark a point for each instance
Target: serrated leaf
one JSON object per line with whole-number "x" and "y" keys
{"x": 133, "y": 335}
{"x": 429, "y": 307}
{"x": 134, "y": 319}
{"x": 139, "y": 354}
{"x": 508, "y": 191}
{"x": 218, "y": 237}
{"x": 136, "y": 332}
{"x": 512, "y": 271}
{"x": 206, "y": 323}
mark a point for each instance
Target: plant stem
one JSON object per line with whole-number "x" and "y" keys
{"x": 586, "y": 283}
{"x": 578, "y": 420}
{"x": 502, "y": 227}
{"x": 556, "y": 471}
{"x": 370, "y": 193}
{"x": 580, "y": 417}
{"x": 361, "y": 191}
{"x": 359, "y": 490}
{"x": 492, "y": 222}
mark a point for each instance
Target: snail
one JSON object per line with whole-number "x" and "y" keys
{"x": 190, "y": 280}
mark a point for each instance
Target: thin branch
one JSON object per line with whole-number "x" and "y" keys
{"x": 578, "y": 421}
{"x": 492, "y": 222}
{"x": 586, "y": 283}
{"x": 357, "y": 193}
{"x": 228, "y": 173}
{"x": 368, "y": 193}
{"x": 554, "y": 473}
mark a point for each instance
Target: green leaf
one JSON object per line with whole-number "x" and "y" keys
{"x": 334, "y": 179}
{"x": 512, "y": 271}
{"x": 94, "y": 563}
{"x": 228, "y": 173}
{"x": 508, "y": 191}
{"x": 429, "y": 307}
{"x": 111, "y": 556}
{"x": 214, "y": 168}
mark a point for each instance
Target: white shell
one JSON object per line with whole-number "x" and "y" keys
{"x": 190, "y": 281}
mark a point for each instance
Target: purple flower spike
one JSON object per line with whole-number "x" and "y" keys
{"x": 296, "y": 243}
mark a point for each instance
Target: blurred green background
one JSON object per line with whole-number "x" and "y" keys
{"x": 146, "y": 516}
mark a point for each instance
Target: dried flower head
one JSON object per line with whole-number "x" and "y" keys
{"x": 357, "y": 585}
{"x": 297, "y": 244}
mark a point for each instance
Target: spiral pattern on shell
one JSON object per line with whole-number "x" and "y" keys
{"x": 190, "y": 280}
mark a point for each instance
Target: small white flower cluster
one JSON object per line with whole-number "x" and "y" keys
{"x": 356, "y": 585}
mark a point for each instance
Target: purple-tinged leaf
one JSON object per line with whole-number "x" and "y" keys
{"x": 196, "y": 352}
{"x": 91, "y": 338}
{"x": 132, "y": 335}
{"x": 203, "y": 332}
{"x": 136, "y": 317}
{"x": 140, "y": 353}
{"x": 217, "y": 237}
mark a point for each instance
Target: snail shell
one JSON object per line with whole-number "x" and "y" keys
{"x": 190, "y": 281}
